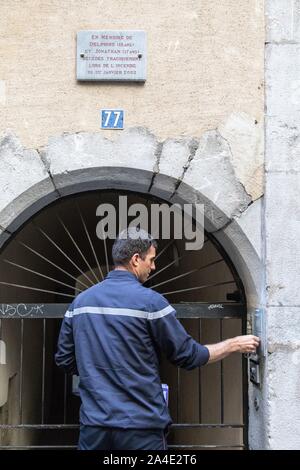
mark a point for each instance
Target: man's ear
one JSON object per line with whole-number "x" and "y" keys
{"x": 134, "y": 259}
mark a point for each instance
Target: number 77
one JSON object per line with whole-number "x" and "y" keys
{"x": 108, "y": 113}
{"x": 117, "y": 113}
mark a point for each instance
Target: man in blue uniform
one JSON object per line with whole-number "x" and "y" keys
{"x": 110, "y": 337}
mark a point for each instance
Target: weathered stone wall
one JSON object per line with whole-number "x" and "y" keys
{"x": 193, "y": 131}
{"x": 177, "y": 170}
{"x": 205, "y": 73}
{"x": 282, "y": 223}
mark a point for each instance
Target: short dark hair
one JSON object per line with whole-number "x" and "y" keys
{"x": 129, "y": 242}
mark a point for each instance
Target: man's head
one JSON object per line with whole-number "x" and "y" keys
{"x": 135, "y": 251}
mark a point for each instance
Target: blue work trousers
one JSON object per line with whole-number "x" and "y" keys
{"x": 102, "y": 438}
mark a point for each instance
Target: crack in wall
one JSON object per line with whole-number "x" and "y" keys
{"x": 281, "y": 43}
{"x": 193, "y": 146}
{"x": 234, "y": 172}
{"x": 157, "y": 154}
{"x": 47, "y": 168}
{"x": 5, "y": 230}
{"x": 224, "y": 227}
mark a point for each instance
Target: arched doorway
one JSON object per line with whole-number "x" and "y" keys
{"x": 55, "y": 254}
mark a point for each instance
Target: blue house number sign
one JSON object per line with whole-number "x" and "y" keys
{"x": 112, "y": 119}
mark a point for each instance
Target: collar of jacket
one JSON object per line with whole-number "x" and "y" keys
{"x": 120, "y": 274}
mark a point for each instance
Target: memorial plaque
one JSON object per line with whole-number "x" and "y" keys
{"x": 111, "y": 55}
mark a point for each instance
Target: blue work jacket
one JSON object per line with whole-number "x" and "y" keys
{"x": 112, "y": 336}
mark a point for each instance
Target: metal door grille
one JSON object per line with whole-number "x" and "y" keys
{"x": 63, "y": 433}
{"x": 55, "y": 256}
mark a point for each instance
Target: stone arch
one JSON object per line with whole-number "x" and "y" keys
{"x": 177, "y": 170}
